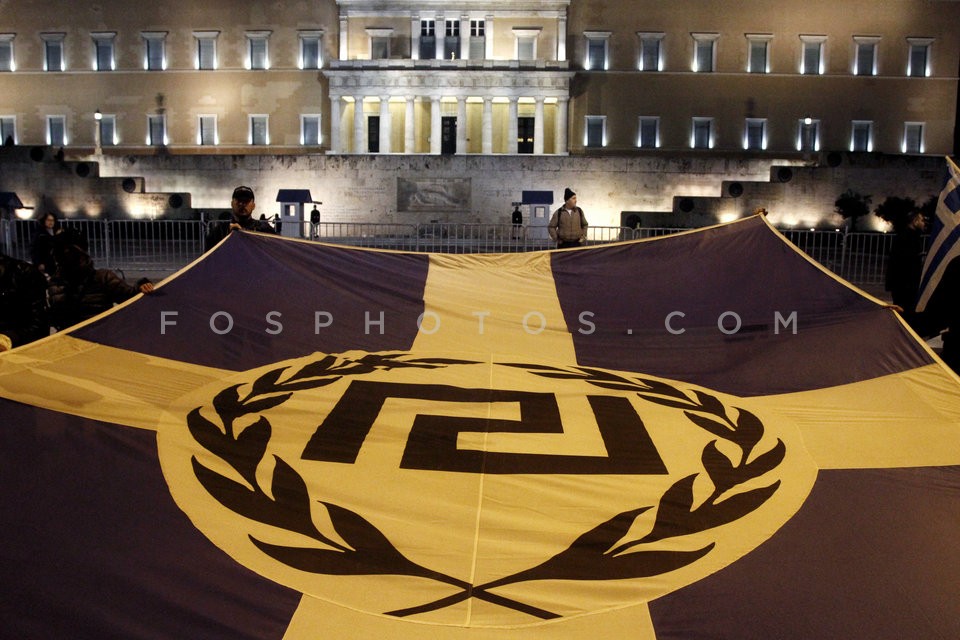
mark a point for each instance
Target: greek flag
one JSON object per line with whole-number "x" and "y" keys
{"x": 946, "y": 234}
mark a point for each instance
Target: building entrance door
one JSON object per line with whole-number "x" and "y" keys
{"x": 448, "y": 135}
{"x": 373, "y": 134}
{"x": 524, "y": 134}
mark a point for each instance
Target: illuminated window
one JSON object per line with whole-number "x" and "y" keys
{"x": 206, "y": 49}
{"x": 259, "y": 130}
{"x": 478, "y": 41}
{"x": 755, "y": 134}
{"x": 8, "y": 129}
{"x": 451, "y": 39}
{"x": 918, "y": 62}
{"x": 812, "y": 55}
{"x": 107, "y": 129}
{"x": 597, "y": 50}
{"x": 154, "y": 50}
{"x": 428, "y": 39}
{"x": 311, "y": 56}
{"x": 595, "y": 131}
{"x": 257, "y": 53}
{"x": 53, "y": 51}
{"x": 808, "y": 135}
{"x": 157, "y": 130}
{"x": 207, "y": 130}
{"x": 651, "y": 51}
{"x": 57, "y": 131}
{"x": 701, "y": 134}
{"x": 103, "y": 51}
{"x": 6, "y": 52}
{"x": 865, "y": 58}
{"x": 310, "y": 130}
{"x": 861, "y": 135}
{"x": 704, "y": 52}
{"x": 380, "y": 43}
{"x": 526, "y": 43}
{"x": 758, "y": 52}
{"x": 648, "y": 132}
{"x": 913, "y": 137}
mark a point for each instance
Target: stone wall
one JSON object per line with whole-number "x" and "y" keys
{"x": 651, "y": 190}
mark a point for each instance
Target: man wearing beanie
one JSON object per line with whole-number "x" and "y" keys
{"x": 242, "y": 204}
{"x": 568, "y": 226}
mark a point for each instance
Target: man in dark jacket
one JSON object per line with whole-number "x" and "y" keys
{"x": 23, "y": 303}
{"x": 568, "y": 226}
{"x": 79, "y": 291}
{"x": 242, "y": 205}
{"x": 905, "y": 264}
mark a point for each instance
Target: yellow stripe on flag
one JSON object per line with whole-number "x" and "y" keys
{"x": 505, "y": 304}
{"x": 340, "y": 622}
{"x": 94, "y": 381}
{"x": 906, "y": 419}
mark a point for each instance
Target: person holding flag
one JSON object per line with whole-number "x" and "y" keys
{"x": 939, "y": 297}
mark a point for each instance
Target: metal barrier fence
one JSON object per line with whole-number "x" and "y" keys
{"x": 449, "y": 237}
{"x": 143, "y": 245}
{"x": 168, "y": 245}
{"x": 860, "y": 258}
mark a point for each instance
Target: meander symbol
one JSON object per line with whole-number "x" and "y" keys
{"x": 238, "y": 431}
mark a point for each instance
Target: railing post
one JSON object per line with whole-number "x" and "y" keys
{"x": 107, "y": 254}
{"x": 844, "y": 247}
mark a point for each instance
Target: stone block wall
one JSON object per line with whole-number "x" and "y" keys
{"x": 651, "y": 190}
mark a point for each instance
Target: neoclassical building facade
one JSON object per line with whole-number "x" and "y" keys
{"x": 559, "y": 77}
{"x": 462, "y": 78}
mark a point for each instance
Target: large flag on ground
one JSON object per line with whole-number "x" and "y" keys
{"x": 705, "y": 435}
{"x": 945, "y": 236}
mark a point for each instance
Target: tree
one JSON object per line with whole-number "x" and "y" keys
{"x": 853, "y": 206}
{"x": 897, "y": 211}
{"x": 929, "y": 208}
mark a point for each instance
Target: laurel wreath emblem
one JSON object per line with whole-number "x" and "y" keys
{"x": 601, "y": 553}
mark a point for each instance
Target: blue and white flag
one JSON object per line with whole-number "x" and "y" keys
{"x": 946, "y": 233}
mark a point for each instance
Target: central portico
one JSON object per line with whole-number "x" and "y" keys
{"x": 471, "y": 77}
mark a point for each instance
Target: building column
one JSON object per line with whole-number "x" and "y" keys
{"x": 335, "y": 125}
{"x": 409, "y": 140}
{"x": 486, "y": 127}
{"x": 344, "y": 37}
{"x": 512, "y": 130}
{"x": 439, "y": 33}
{"x": 464, "y": 36}
{"x": 562, "y": 38}
{"x": 560, "y": 124}
{"x": 415, "y": 36}
{"x": 435, "y": 126}
{"x": 538, "y": 127}
{"x": 386, "y": 126}
{"x": 461, "y": 125}
{"x": 358, "y": 128}
{"x": 488, "y": 36}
